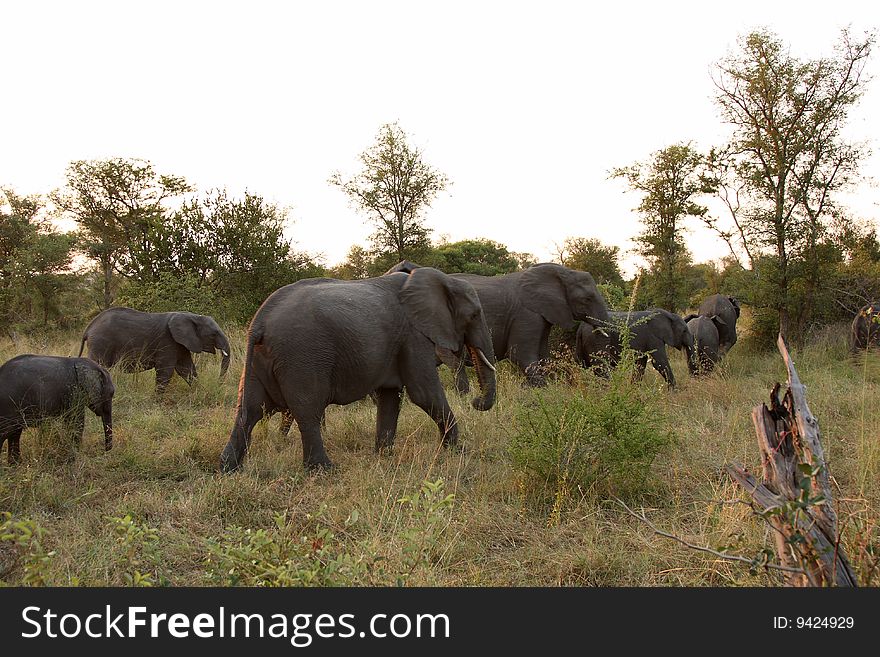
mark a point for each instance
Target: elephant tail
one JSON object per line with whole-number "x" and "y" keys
{"x": 82, "y": 345}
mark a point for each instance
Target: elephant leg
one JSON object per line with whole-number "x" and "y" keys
{"x": 163, "y": 377}
{"x": 314, "y": 455}
{"x": 249, "y": 412}
{"x": 432, "y": 400}
{"x": 660, "y": 361}
{"x": 186, "y": 368}
{"x": 13, "y": 448}
{"x": 386, "y": 417}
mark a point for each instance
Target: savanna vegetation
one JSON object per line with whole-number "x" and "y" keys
{"x": 533, "y": 497}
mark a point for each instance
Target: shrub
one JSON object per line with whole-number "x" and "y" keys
{"x": 281, "y": 556}
{"x": 601, "y": 436}
{"x": 26, "y": 540}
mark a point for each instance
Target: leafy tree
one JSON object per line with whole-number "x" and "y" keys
{"x": 785, "y": 162}
{"x": 393, "y": 189}
{"x": 231, "y": 251}
{"x": 478, "y": 256}
{"x": 356, "y": 265}
{"x": 668, "y": 182}
{"x": 34, "y": 256}
{"x": 586, "y": 254}
{"x": 117, "y": 203}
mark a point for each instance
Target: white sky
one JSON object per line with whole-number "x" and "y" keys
{"x": 524, "y": 105}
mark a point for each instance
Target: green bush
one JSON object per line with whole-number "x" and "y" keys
{"x": 601, "y": 437}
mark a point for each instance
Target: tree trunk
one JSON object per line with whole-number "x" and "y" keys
{"x": 795, "y": 497}
{"x": 108, "y": 279}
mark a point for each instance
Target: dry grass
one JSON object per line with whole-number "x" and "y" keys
{"x": 162, "y": 473}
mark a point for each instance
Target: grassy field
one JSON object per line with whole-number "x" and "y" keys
{"x": 154, "y": 509}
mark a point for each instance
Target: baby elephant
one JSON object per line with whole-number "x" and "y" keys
{"x": 33, "y": 388}
{"x": 599, "y": 347}
{"x": 706, "y": 351}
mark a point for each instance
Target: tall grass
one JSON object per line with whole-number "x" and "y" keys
{"x": 371, "y": 514}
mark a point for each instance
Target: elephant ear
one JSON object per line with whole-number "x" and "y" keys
{"x": 735, "y": 303}
{"x": 183, "y": 330}
{"x": 427, "y": 302}
{"x": 543, "y": 292}
{"x": 90, "y": 381}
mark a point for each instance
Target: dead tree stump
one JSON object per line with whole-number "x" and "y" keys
{"x": 795, "y": 496}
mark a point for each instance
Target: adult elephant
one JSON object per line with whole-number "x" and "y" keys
{"x": 724, "y": 310}
{"x": 865, "y": 329}
{"x": 650, "y": 332}
{"x": 34, "y": 388}
{"x": 162, "y": 341}
{"x": 322, "y": 341}
{"x": 706, "y": 343}
{"x": 521, "y": 307}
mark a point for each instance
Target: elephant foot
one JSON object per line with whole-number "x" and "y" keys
{"x": 324, "y": 465}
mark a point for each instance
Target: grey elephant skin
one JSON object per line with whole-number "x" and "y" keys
{"x": 521, "y": 307}
{"x": 34, "y": 388}
{"x": 726, "y": 310}
{"x": 162, "y": 341}
{"x": 865, "y": 330}
{"x": 598, "y": 346}
{"x": 323, "y": 341}
{"x": 706, "y": 343}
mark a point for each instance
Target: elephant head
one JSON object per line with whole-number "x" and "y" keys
{"x": 447, "y": 311}
{"x": 95, "y": 384}
{"x": 674, "y": 332}
{"x": 200, "y": 333}
{"x": 562, "y": 295}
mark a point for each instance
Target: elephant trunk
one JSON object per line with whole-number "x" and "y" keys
{"x": 107, "y": 420}
{"x": 223, "y": 346}
{"x": 483, "y": 356}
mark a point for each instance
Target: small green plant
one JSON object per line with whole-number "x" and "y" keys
{"x": 26, "y": 537}
{"x": 599, "y": 437}
{"x": 282, "y": 556}
{"x": 138, "y": 549}
{"x": 427, "y": 510}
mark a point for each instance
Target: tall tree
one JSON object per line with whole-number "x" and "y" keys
{"x": 394, "y": 188}
{"x": 787, "y": 157}
{"x": 116, "y": 203}
{"x": 668, "y": 183}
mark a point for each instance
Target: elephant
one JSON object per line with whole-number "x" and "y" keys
{"x": 34, "y": 388}
{"x": 724, "y": 310}
{"x": 865, "y": 329}
{"x": 143, "y": 341}
{"x": 706, "y": 342}
{"x": 323, "y": 341}
{"x": 650, "y": 332}
{"x": 520, "y": 309}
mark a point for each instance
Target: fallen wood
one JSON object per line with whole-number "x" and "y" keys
{"x": 795, "y": 497}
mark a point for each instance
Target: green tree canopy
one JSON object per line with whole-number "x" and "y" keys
{"x": 116, "y": 203}
{"x": 590, "y": 255}
{"x": 785, "y": 162}
{"x": 393, "y": 189}
{"x": 668, "y": 183}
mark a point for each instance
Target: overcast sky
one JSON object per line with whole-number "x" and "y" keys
{"x": 524, "y": 105}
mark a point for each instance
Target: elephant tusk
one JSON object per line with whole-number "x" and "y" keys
{"x": 223, "y": 352}
{"x": 485, "y": 360}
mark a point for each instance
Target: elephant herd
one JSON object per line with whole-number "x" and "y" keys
{"x": 324, "y": 341}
